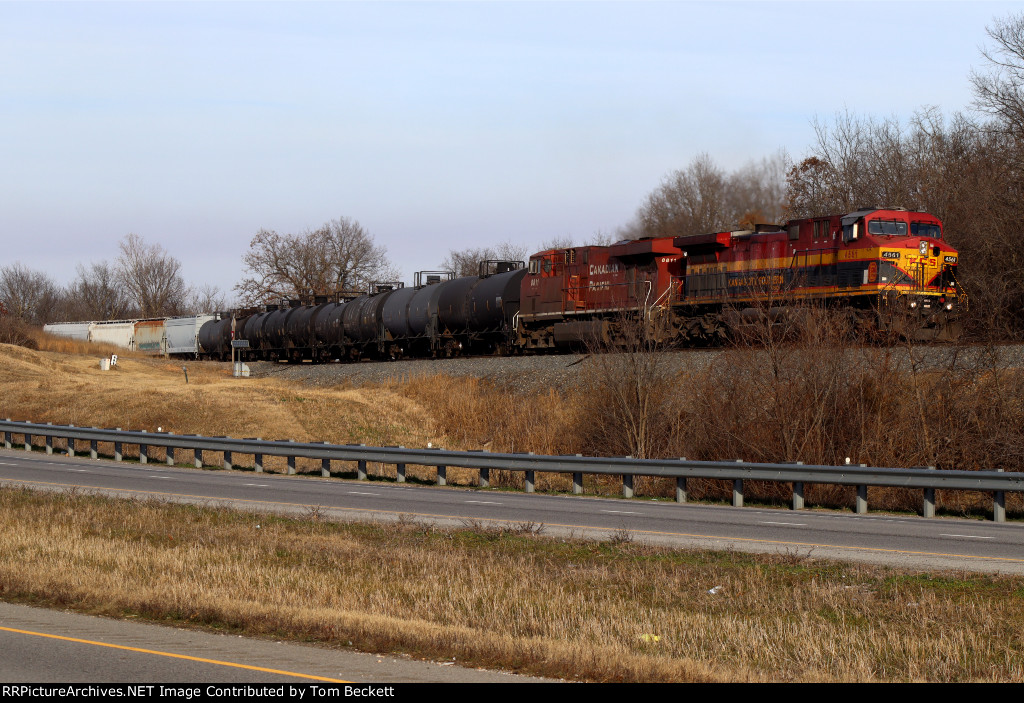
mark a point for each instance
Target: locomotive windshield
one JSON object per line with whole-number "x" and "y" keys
{"x": 891, "y": 228}
{"x": 920, "y": 229}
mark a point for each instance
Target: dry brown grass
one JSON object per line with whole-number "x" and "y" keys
{"x": 144, "y": 393}
{"x": 509, "y": 598}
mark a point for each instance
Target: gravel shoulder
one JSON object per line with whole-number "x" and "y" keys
{"x": 516, "y": 373}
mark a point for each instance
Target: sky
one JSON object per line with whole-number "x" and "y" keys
{"x": 436, "y": 126}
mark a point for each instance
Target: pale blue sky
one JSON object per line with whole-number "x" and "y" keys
{"x": 436, "y": 125}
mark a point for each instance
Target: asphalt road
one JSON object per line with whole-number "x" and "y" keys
{"x": 905, "y": 541}
{"x": 49, "y": 646}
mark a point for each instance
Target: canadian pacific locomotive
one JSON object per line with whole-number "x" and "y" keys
{"x": 887, "y": 269}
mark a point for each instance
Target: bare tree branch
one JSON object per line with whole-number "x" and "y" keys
{"x": 338, "y": 256}
{"x": 152, "y": 277}
{"x": 28, "y": 295}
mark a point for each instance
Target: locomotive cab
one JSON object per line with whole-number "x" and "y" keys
{"x": 908, "y": 267}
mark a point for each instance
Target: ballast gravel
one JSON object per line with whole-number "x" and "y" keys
{"x": 560, "y": 371}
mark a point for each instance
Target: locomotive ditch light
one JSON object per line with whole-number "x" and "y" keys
{"x": 922, "y": 247}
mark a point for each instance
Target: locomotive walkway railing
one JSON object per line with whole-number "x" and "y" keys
{"x": 799, "y": 475}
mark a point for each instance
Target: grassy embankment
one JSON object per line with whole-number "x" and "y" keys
{"x": 483, "y": 596}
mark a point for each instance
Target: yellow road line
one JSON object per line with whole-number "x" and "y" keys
{"x": 505, "y": 522}
{"x": 173, "y": 656}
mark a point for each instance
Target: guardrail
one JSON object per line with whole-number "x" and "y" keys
{"x": 928, "y": 479}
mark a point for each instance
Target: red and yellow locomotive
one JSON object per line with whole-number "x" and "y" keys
{"x": 890, "y": 269}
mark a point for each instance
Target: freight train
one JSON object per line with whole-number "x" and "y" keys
{"x": 887, "y": 269}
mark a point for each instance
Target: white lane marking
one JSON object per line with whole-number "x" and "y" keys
{"x": 966, "y": 536}
{"x": 258, "y": 485}
{"x": 621, "y": 512}
{"x": 483, "y": 502}
{"x": 81, "y": 471}
{"x": 361, "y": 493}
{"x": 794, "y": 524}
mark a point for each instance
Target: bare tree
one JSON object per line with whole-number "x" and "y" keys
{"x": 151, "y": 277}
{"x": 206, "y": 298}
{"x": 604, "y": 238}
{"x": 756, "y": 193}
{"x": 687, "y": 202}
{"x": 338, "y": 256}
{"x": 466, "y": 262}
{"x": 98, "y": 294}
{"x": 1000, "y": 91}
{"x": 28, "y": 295}
{"x": 704, "y": 198}
{"x": 563, "y": 242}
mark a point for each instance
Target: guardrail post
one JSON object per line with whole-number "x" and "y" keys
{"x": 117, "y": 447}
{"x": 999, "y": 505}
{"x": 325, "y": 466}
{"x": 227, "y": 460}
{"x": 94, "y": 452}
{"x": 577, "y": 481}
{"x": 737, "y": 490}
{"x": 170, "y": 454}
{"x": 798, "y": 492}
{"x": 484, "y": 480}
{"x": 8, "y": 438}
{"x": 361, "y": 469}
{"x": 442, "y": 475}
{"x": 928, "y": 509}
{"x": 49, "y": 442}
{"x": 143, "y": 454}
{"x": 862, "y": 498}
{"x": 400, "y": 470}
{"x": 197, "y": 458}
{"x": 528, "y": 480}
{"x": 681, "y": 493}
{"x": 627, "y": 482}
{"x": 257, "y": 460}
{"x": 28, "y": 442}
{"x": 71, "y": 445}
{"x": 291, "y": 462}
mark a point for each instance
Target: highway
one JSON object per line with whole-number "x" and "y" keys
{"x": 897, "y": 540}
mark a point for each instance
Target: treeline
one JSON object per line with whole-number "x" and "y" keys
{"x": 144, "y": 281}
